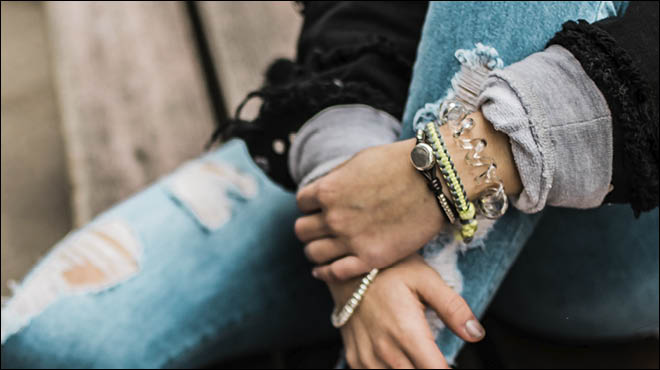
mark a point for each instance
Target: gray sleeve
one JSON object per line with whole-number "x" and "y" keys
{"x": 336, "y": 134}
{"x": 559, "y": 126}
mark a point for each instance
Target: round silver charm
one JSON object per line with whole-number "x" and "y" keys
{"x": 422, "y": 157}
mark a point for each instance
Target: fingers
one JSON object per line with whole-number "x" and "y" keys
{"x": 342, "y": 269}
{"x": 311, "y": 227}
{"x": 307, "y": 198}
{"x": 350, "y": 348}
{"x": 366, "y": 354}
{"x": 417, "y": 342}
{"x": 451, "y": 308}
{"x": 322, "y": 251}
{"x": 390, "y": 354}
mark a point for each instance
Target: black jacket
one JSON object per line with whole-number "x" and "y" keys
{"x": 363, "y": 52}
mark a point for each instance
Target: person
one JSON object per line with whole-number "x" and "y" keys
{"x": 130, "y": 290}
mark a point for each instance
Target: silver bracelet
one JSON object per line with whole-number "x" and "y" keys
{"x": 339, "y": 317}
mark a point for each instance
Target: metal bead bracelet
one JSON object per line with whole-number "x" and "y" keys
{"x": 341, "y": 316}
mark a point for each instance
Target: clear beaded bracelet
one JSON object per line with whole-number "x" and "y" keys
{"x": 492, "y": 202}
{"x": 339, "y": 317}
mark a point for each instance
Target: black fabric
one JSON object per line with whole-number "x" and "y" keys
{"x": 362, "y": 52}
{"x": 620, "y": 54}
{"x": 348, "y": 52}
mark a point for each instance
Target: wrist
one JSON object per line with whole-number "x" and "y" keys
{"x": 498, "y": 148}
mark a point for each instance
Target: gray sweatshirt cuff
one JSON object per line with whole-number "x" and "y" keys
{"x": 334, "y": 135}
{"x": 559, "y": 126}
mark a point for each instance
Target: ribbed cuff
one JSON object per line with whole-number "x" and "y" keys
{"x": 334, "y": 135}
{"x": 559, "y": 126}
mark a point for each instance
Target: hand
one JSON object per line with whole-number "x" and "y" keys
{"x": 376, "y": 209}
{"x": 389, "y": 328}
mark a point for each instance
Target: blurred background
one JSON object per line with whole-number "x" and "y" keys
{"x": 99, "y": 99}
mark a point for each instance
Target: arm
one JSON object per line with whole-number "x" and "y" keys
{"x": 581, "y": 115}
{"x": 620, "y": 55}
{"x": 560, "y": 126}
{"x": 348, "y": 53}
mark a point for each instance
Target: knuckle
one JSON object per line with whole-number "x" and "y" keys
{"x": 298, "y": 227}
{"x": 369, "y": 253}
{"x": 309, "y": 253}
{"x": 334, "y": 220}
{"x": 351, "y": 358}
{"x": 325, "y": 192}
{"x": 457, "y": 308}
{"x": 382, "y": 348}
{"x": 366, "y": 359}
{"x": 332, "y": 274}
{"x": 372, "y": 257}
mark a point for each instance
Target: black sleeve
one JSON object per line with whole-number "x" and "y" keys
{"x": 348, "y": 52}
{"x": 620, "y": 54}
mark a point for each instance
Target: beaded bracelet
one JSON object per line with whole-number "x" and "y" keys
{"x": 339, "y": 318}
{"x": 465, "y": 208}
{"x": 492, "y": 202}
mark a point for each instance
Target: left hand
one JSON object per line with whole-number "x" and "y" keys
{"x": 373, "y": 210}
{"x": 376, "y": 209}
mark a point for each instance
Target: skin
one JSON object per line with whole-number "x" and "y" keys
{"x": 389, "y": 329}
{"x": 375, "y": 210}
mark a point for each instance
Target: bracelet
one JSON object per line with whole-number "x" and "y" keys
{"x": 339, "y": 318}
{"x": 465, "y": 208}
{"x": 423, "y": 160}
{"x": 492, "y": 202}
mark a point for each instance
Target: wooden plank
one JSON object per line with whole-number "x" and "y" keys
{"x": 131, "y": 96}
{"x": 35, "y": 209}
{"x": 245, "y": 36}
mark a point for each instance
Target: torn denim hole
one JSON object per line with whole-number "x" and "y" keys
{"x": 207, "y": 190}
{"x": 466, "y": 85}
{"x": 92, "y": 260}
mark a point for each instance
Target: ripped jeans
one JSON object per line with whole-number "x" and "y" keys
{"x": 204, "y": 264}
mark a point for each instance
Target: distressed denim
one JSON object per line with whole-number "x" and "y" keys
{"x": 217, "y": 271}
{"x": 585, "y": 275}
{"x": 211, "y": 283}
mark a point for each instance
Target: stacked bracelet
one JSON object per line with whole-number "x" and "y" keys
{"x": 492, "y": 201}
{"x": 465, "y": 208}
{"x": 339, "y": 317}
{"x": 423, "y": 160}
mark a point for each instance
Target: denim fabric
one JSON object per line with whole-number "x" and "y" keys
{"x": 199, "y": 295}
{"x": 210, "y": 286}
{"x": 618, "y": 284}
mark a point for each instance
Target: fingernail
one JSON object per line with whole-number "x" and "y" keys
{"x": 315, "y": 273}
{"x": 474, "y": 329}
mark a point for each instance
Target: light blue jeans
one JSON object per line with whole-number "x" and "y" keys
{"x": 204, "y": 264}
{"x": 585, "y": 275}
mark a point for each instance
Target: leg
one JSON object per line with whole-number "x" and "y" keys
{"x": 198, "y": 267}
{"x": 515, "y": 30}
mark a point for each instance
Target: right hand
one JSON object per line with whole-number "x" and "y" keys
{"x": 389, "y": 328}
